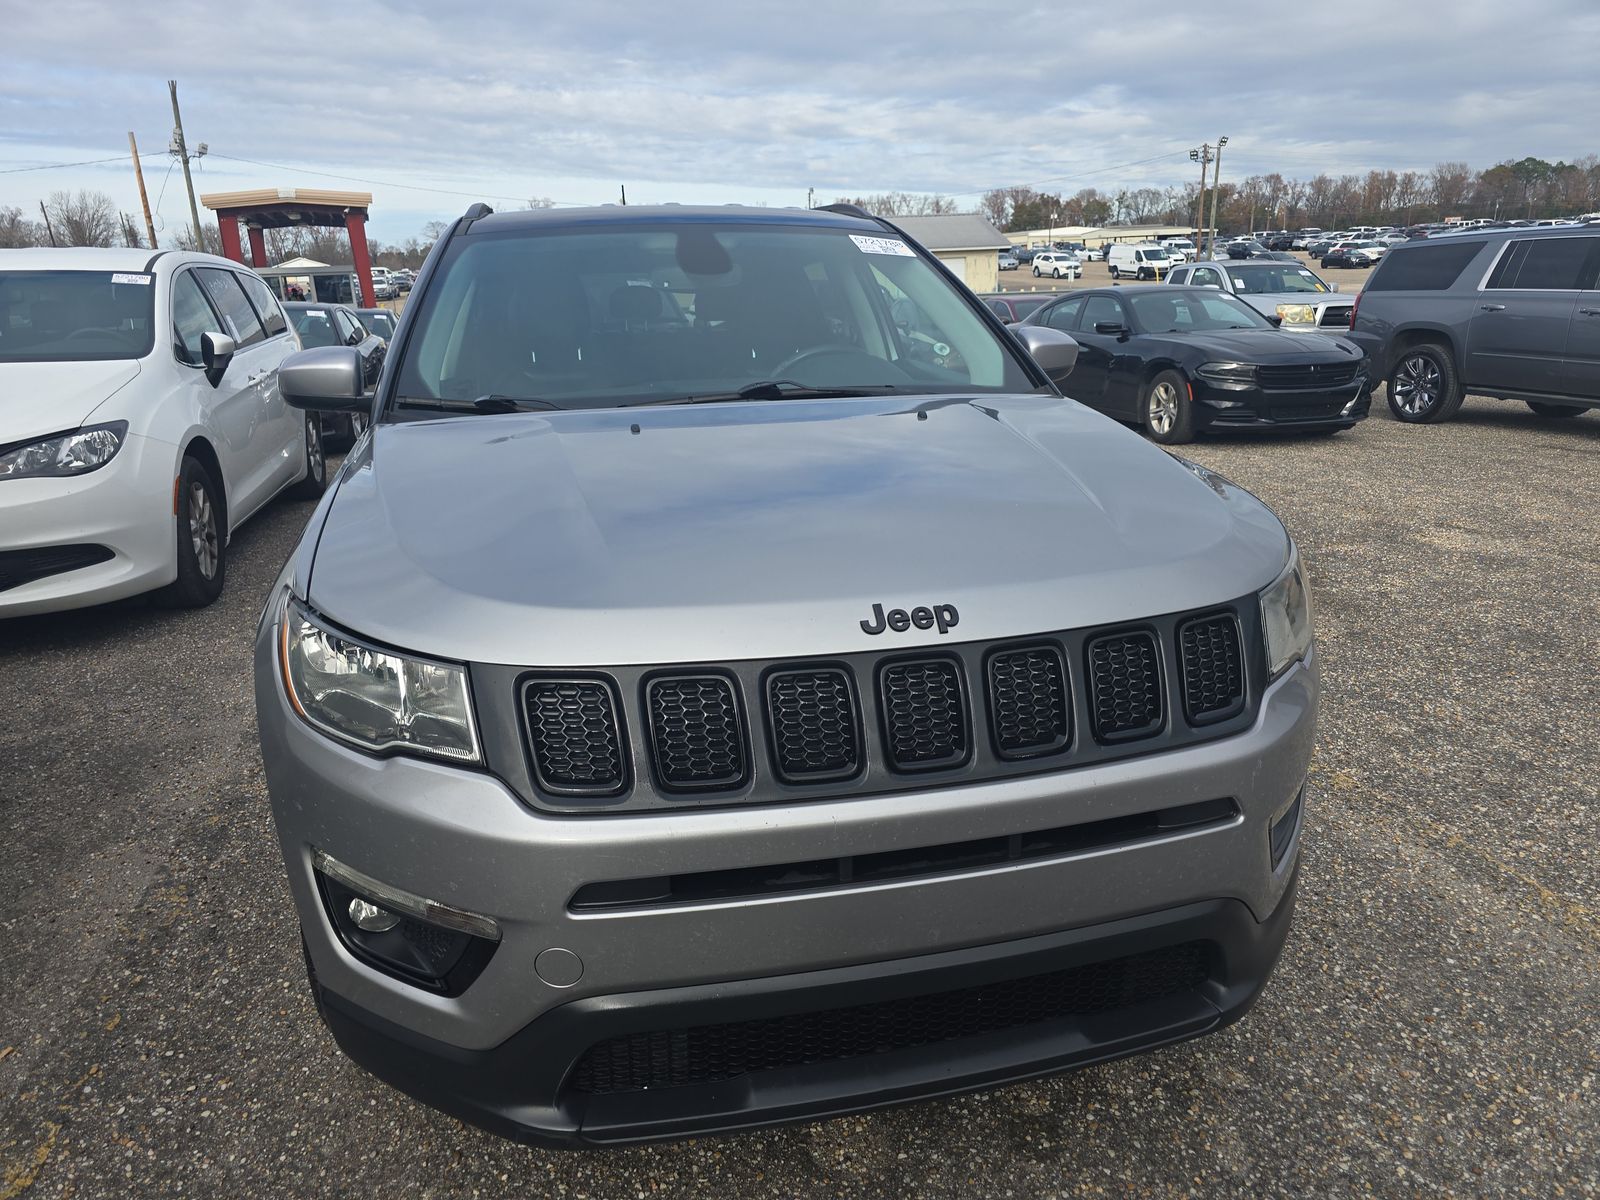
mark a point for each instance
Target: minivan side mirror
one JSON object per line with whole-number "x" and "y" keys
{"x": 324, "y": 379}
{"x": 216, "y": 352}
{"x": 1055, "y": 352}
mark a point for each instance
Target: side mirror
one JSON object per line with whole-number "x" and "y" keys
{"x": 1333, "y": 287}
{"x": 216, "y": 352}
{"x": 1054, "y": 351}
{"x": 1275, "y": 319}
{"x": 324, "y": 379}
{"x": 1114, "y": 329}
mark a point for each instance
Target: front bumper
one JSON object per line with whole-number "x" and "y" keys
{"x": 502, "y": 1052}
{"x": 125, "y": 506}
{"x": 1300, "y": 408}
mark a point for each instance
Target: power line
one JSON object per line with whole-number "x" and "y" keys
{"x": 88, "y": 162}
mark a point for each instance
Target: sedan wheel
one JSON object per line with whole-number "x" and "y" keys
{"x": 1168, "y": 414}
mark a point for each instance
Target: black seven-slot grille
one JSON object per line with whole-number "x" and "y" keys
{"x": 1213, "y": 668}
{"x": 870, "y": 722}
{"x": 573, "y": 732}
{"x": 696, "y": 734}
{"x": 924, "y": 714}
{"x": 1310, "y": 375}
{"x": 709, "y": 1053}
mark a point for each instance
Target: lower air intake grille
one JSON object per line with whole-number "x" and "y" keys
{"x": 18, "y": 567}
{"x": 1028, "y": 701}
{"x": 696, "y": 735}
{"x": 924, "y": 714}
{"x": 1125, "y": 685}
{"x": 679, "y": 1057}
{"x": 572, "y": 729}
{"x": 813, "y": 719}
{"x": 1213, "y": 668}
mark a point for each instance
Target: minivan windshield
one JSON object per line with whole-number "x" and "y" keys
{"x": 617, "y": 314}
{"x": 75, "y": 316}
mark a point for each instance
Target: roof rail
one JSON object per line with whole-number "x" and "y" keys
{"x": 474, "y": 211}
{"x": 846, "y": 210}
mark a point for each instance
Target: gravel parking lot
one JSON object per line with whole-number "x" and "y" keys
{"x": 1434, "y": 1027}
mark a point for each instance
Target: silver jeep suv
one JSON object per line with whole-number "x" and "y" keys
{"x": 728, "y": 684}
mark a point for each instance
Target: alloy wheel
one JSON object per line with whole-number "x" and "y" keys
{"x": 1163, "y": 408}
{"x": 316, "y": 465}
{"x": 203, "y": 530}
{"x": 1416, "y": 385}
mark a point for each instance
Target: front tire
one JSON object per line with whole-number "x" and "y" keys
{"x": 1560, "y": 411}
{"x": 1116, "y": 274}
{"x": 1056, "y": 274}
{"x": 1423, "y": 386}
{"x": 316, "y": 477}
{"x": 1036, "y": 272}
{"x": 202, "y": 540}
{"x": 1168, "y": 411}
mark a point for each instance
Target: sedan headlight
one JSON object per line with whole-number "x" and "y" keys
{"x": 376, "y": 699}
{"x": 1297, "y": 314}
{"x": 1236, "y": 375}
{"x": 75, "y": 453}
{"x": 1286, "y": 616}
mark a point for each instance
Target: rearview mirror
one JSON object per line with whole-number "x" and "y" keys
{"x": 324, "y": 378}
{"x": 216, "y": 352}
{"x": 1054, "y": 351}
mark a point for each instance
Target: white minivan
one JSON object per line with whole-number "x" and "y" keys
{"x": 140, "y": 423}
{"x": 1142, "y": 262}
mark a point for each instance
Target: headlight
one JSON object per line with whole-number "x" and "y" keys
{"x": 1239, "y": 376}
{"x": 74, "y": 453}
{"x": 1286, "y": 616}
{"x": 1297, "y": 314}
{"x": 374, "y": 698}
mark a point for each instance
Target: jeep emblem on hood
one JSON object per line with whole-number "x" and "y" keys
{"x": 944, "y": 616}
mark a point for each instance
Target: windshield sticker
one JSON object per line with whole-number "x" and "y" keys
{"x": 878, "y": 245}
{"x": 317, "y": 312}
{"x": 140, "y": 279}
{"x": 1307, "y": 273}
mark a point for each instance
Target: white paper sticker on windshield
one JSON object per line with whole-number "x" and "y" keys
{"x": 140, "y": 279}
{"x": 878, "y": 245}
{"x": 1307, "y": 273}
{"x": 317, "y": 312}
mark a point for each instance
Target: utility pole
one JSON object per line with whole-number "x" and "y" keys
{"x": 1201, "y": 155}
{"x": 46, "y": 215}
{"x": 624, "y": 195}
{"x": 1216, "y": 186}
{"x": 810, "y": 196}
{"x": 181, "y": 149}
{"x": 144, "y": 197}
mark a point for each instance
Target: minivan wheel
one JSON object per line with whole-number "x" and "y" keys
{"x": 1168, "y": 412}
{"x": 1556, "y": 410}
{"x": 202, "y": 540}
{"x": 316, "y": 477}
{"x": 1422, "y": 385}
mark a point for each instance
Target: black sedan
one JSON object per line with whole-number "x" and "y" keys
{"x": 1179, "y": 360}
{"x": 338, "y": 325}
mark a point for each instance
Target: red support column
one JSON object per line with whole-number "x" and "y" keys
{"x": 230, "y": 238}
{"x": 356, "y": 224}
{"x": 258, "y": 247}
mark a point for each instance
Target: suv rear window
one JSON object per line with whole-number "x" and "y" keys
{"x": 1425, "y": 267}
{"x": 1547, "y": 264}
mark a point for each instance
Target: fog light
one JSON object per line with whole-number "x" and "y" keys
{"x": 370, "y": 918}
{"x": 409, "y": 937}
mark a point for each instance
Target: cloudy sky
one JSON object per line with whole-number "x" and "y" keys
{"x": 429, "y": 106}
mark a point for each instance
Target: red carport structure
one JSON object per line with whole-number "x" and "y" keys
{"x": 282, "y": 208}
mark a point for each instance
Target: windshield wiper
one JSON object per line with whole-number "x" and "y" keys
{"x": 492, "y": 403}
{"x": 781, "y": 389}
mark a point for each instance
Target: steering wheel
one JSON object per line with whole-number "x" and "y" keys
{"x": 842, "y": 356}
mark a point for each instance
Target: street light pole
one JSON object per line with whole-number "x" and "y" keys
{"x": 1216, "y": 187}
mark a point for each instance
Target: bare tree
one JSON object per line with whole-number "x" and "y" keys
{"x": 539, "y": 202}
{"x": 16, "y": 230}
{"x": 902, "y": 204}
{"x": 83, "y": 219}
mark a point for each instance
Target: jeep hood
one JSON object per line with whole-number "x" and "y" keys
{"x": 41, "y": 398}
{"x": 765, "y": 530}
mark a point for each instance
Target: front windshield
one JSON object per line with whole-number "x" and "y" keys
{"x": 1172, "y": 310}
{"x": 619, "y": 314}
{"x": 1265, "y": 281}
{"x": 75, "y": 316}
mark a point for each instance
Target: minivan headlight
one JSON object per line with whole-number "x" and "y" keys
{"x": 75, "y": 453}
{"x": 374, "y": 698}
{"x": 1286, "y": 616}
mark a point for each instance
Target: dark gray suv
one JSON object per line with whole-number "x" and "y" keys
{"x": 1513, "y": 314}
